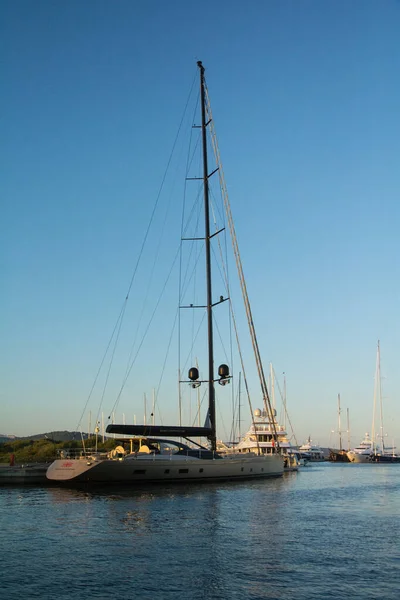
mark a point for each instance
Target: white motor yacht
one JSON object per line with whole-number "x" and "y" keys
{"x": 311, "y": 452}
{"x": 260, "y": 439}
{"x": 363, "y": 452}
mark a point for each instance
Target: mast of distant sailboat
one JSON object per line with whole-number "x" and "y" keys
{"x": 378, "y": 360}
{"x": 340, "y": 428}
{"x": 348, "y": 431}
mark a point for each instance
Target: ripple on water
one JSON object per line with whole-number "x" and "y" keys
{"x": 329, "y": 531}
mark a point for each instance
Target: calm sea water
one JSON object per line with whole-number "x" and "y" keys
{"x": 329, "y": 531}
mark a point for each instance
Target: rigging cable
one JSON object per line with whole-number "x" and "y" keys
{"x": 266, "y": 398}
{"x": 284, "y": 405}
{"x": 225, "y": 279}
{"x": 120, "y": 319}
{"x": 144, "y": 335}
{"x": 100, "y": 367}
{"x": 150, "y": 279}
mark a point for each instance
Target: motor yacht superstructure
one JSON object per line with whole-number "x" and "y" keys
{"x": 260, "y": 439}
{"x": 311, "y": 451}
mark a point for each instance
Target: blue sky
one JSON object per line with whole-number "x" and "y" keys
{"x": 305, "y": 96}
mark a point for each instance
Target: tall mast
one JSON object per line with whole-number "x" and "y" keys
{"x": 260, "y": 368}
{"x": 198, "y": 398}
{"x": 377, "y": 397}
{"x": 240, "y": 386}
{"x": 284, "y": 400}
{"x": 272, "y": 385}
{"x": 340, "y": 429}
{"x": 378, "y": 359}
{"x": 211, "y": 392}
{"x": 348, "y": 431}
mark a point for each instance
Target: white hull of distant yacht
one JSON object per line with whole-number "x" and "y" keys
{"x": 358, "y": 457}
{"x": 363, "y": 452}
{"x": 157, "y": 469}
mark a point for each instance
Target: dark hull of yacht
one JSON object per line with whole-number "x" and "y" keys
{"x": 385, "y": 459}
{"x": 133, "y": 470}
{"x": 338, "y": 456}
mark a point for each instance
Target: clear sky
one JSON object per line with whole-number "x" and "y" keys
{"x": 306, "y": 98}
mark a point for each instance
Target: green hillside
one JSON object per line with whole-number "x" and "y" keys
{"x": 44, "y": 449}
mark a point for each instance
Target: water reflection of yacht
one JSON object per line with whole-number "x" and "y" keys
{"x": 260, "y": 440}
{"x": 363, "y": 452}
{"x": 311, "y": 452}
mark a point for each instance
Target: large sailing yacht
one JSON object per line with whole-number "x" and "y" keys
{"x": 155, "y": 453}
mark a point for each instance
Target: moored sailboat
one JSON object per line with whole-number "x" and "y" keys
{"x": 369, "y": 451}
{"x": 339, "y": 455}
{"x": 384, "y": 454}
{"x": 152, "y": 456}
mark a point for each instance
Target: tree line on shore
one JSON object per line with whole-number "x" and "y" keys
{"x": 45, "y": 449}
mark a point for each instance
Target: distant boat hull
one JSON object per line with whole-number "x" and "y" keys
{"x": 311, "y": 457}
{"x": 338, "y": 456}
{"x": 385, "y": 458}
{"x": 135, "y": 470}
{"x": 357, "y": 457}
{"x": 311, "y": 453}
